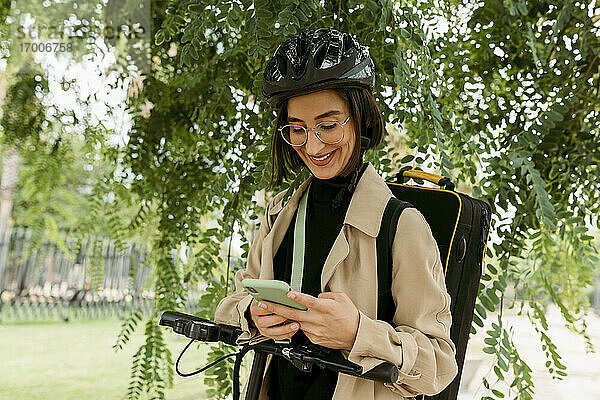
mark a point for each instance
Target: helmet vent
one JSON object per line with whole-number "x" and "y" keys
{"x": 300, "y": 68}
{"x": 347, "y": 44}
{"x": 303, "y": 47}
{"x": 320, "y": 55}
{"x": 281, "y": 66}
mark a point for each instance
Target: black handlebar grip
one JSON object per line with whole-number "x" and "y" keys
{"x": 199, "y": 328}
{"x": 386, "y": 372}
{"x": 229, "y": 334}
{"x": 169, "y": 318}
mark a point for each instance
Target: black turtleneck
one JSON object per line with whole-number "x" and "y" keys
{"x": 323, "y": 224}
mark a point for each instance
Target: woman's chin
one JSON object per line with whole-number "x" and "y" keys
{"x": 326, "y": 172}
{"x": 321, "y": 175}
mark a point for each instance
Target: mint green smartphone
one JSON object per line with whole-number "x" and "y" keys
{"x": 271, "y": 290}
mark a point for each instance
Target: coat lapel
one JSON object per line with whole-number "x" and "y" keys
{"x": 339, "y": 252}
{"x": 364, "y": 213}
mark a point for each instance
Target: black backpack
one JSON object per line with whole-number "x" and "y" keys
{"x": 460, "y": 226}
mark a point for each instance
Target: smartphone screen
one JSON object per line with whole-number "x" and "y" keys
{"x": 271, "y": 290}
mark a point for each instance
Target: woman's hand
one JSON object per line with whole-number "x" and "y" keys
{"x": 330, "y": 321}
{"x": 271, "y": 325}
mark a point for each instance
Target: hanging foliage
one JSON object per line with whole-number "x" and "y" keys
{"x": 508, "y": 87}
{"x": 500, "y": 95}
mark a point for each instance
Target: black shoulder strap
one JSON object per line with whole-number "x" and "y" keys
{"x": 385, "y": 239}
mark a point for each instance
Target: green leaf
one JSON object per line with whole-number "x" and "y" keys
{"x": 559, "y": 365}
{"x": 554, "y": 116}
{"x": 285, "y": 15}
{"x": 373, "y": 6}
{"x": 193, "y": 53}
{"x": 477, "y": 320}
{"x": 499, "y": 285}
{"x": 505, "y": 353}
{"x": 502, "y": 364}
{"x": 300, "y": 14}
{"x": 505, "y": 341}
{"x": 480, "y": 310}
{"x": 485, "y": 383}
{"x": 197, "y": 8}
{"x": 547, "y": 123}
{"x": 159, "y": 38}
{"x": 487, "y": 303}
{"x": 491, "y": 293}
{"x": 267, "y": 14}
{"x": 561, "y": 373}
{"x": 498, "y": 373}
{"x": 179, "y": 20}
{"x": 542, "y": 198}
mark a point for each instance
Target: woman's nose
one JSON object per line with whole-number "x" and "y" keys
{"x": 313, "y": 144}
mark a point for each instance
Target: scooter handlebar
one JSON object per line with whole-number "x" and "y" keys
{"x": 207, "y": 331}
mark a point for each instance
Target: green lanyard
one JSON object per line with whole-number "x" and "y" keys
{"x": 299, "y": 242}
{"x": 298, "y": 256}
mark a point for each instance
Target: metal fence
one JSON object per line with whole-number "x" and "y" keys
{"x": 41, "y": 281}
{"x": 98, "y": 279}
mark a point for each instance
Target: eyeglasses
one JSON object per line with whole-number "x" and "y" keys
{"x": 328, "y": 132}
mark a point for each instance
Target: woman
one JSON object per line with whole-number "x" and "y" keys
{"x": 321, "y": 82}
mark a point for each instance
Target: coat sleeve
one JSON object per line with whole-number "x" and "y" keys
{"x": 419, "y": 343}
{"x": 232, "y": 309}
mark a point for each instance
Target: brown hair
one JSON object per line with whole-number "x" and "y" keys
{"x": 367, "y": 122}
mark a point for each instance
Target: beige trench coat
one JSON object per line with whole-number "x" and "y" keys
{"x": 419, "y": 342}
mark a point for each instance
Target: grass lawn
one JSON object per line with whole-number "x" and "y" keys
{"x": 75, "y": 360}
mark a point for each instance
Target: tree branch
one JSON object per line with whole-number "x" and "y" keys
{"x": 587, "y": 72}
{"x": 590, "y": 26}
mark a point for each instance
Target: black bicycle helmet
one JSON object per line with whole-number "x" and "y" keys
{"x": 317, "y": 58}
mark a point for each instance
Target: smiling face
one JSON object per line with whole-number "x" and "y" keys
{"x": 325, "y": 161}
